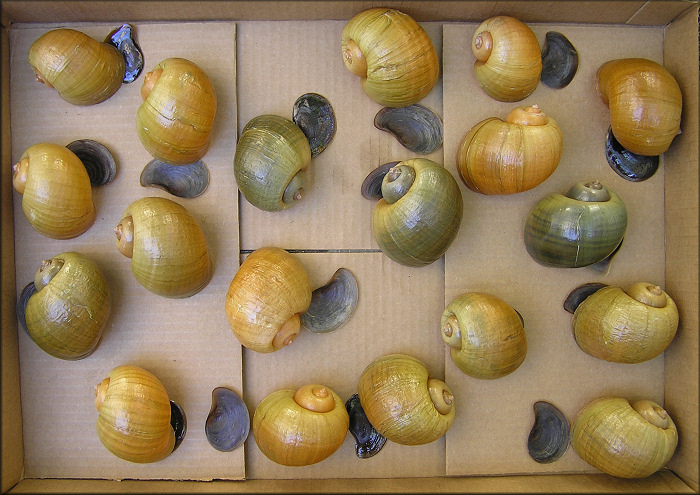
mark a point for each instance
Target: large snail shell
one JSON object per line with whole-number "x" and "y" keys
{"x": 583, "y": 227}
{"x": 83, "y": 70}
{"x": 167, "y": 247}
{"x": 403, "y": 403}
{"x": 511, "y": 156}
{"x": 271, "y": 158}
{"x": 66, "y": 315}
{"x": 56, "y": 191}
{"x": 626, "y": 326}
{"x": 134, "y": 421}
{"x": 485, "y": 335}
{"x": 645, "y": 104}
{"x": 266, "y": 298}
{"x": 174, "y": 121}
{"x": 623, "y": 440}
{"x": 300, "y": 428}
{"x": 508, "y": 58}
{"x": 420, "y": 212}
{"x": 392, "y": 54}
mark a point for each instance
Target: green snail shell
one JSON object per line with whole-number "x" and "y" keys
{"x": 420, "y": 212}
{"x": 270, "y": 162}
{"x": 583, "y": 227}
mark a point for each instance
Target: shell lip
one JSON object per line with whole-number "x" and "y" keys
{"x": 228, "y": 423}
{"x": 559, "y": 60}
{"x": 178, "y": 421}
{"x": 416, "y": 127}
{"x": 628, "y": 165}
{"x": 123, "y": 39}
{"x": 332, "y": 304}
{"x": 314, "y": 115}
{"x": 372, "y": 185}
{"x": 183, "y": 181}
{"x": 580, "y": 293}
{"x": 368, "y": 441}
{"x": 97, "y": 159}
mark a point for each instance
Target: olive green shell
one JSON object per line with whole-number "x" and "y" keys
{"x": 66, "y": 317}
{"x": 417, "y": 228}
{"x": 561, "y": 231}
{"x": 271, "y": 157}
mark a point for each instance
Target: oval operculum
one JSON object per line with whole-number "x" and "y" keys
{"x": 314, "y": 115}
{"x": 626, "y": 164}
{"x": 97, "y": 159}
{"x": 588, "y": 191}
{"x": 124, "y": 232}
{"x": 440, "y": 395}
{"x": 228, "y": 422}
{"x": 372, "y": 185}
{"x": 482, "y": 46}
{"x": 295, "y": 188}
{"x": 648, "y": 294}
{"x": 577, "y": 296}
{"x": 368, "y": 441}
{"x": 332, "y": 304}
{"x": 123, "y": 39}
{"x": 21, "y": 306}
{"x": 416, "y": 127}
{"x": 183, "y": 181}
{"x": 315, "y": 398}
{"x": 653, "y": 413}
{"x": 396, "y": 183}
{"x": 354, "y": 59}
{"x": 178, "y": 421}
{"x": 549, "y": 437}
{"x": 559, "y": 60}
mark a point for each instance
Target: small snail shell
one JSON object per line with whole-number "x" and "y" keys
{"x": 485, "y": 335}
{"x": 56, "y": 191}
{"x": 83, "y": 70}
{"x": 577, "y": 229}
{"x": 630, "y": 326}
{"x": 392, "y": 54}
{"x": 508, "y": 58}
{"x": 167, "y": 247}
{"x": 134, "y": 420}
{"x": 645, "y": 104}
{"x": 271, "y": 158}
{"x": 66, "y": 315}
{"x": 174, "y": 121}
{"x": 420, "y": 212}
{"x": 622, "y": 439}
{"x": 511, "y": 156}
{"x": 299, "y": 428}
{"x": 403, "y": 403}
{"x": 266, "y": 298}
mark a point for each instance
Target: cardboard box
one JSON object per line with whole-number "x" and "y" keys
{"x": 261, "y": 56}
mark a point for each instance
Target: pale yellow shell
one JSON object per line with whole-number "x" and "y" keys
{"x": 622, "y": 439}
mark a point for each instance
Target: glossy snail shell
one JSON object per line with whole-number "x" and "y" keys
{"x": 266, "y": 298}
{"x": 271, "y": 158}
{"x": 299, "y": 428}
{"x": 167, "y": 247}
{"x": 645, "y": 104}
{"x": 403, "y": 403}
{"x": 511, "y": 156}
{"x": 508, "y": 58}
{"x": 56, "y": 191}
{"x": 83, "y": 71}
{"x": 485, "y": 335}
{"x": 630, "y": 326}
{"x": 174, "y": 121}
{"x": 580, "y": 228}
{"x": 66, "y": 315}
{"x": 134, "y": 420}
{"x": 420, "y": 212}
{"x": 392, "y": 54}
{"x": 622, "y": 439}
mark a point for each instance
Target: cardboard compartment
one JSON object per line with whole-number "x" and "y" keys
{"x": 261, "y": 56}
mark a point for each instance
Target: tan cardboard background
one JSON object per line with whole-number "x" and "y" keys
{"x": 190, "y": 349}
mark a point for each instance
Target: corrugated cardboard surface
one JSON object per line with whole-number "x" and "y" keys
{"x": 188, "y": 347}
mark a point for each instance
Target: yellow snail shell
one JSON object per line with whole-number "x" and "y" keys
{"x": 167, "y": 247}
{"x": 508, "y": 58}
{"x": 392, "y": 54}
{"x": 174, "y": 121}
{"x": 83, "y": 71}
{"x": 56, "y": 191}
{"x": 630, "y": 326}
{"x": 266, "y": 298}
{"x": 485, "y": 335}
{"x": 622, "y": 439}
{"x": 299, "y": 428}
{"x": 134, "y": 420}
{"x": 511, "y": 156}
{"x": 645, "y": 104}
{"x": 403, "y": 403}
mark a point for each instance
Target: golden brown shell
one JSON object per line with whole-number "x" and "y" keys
{"x": 266, "y": 298}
